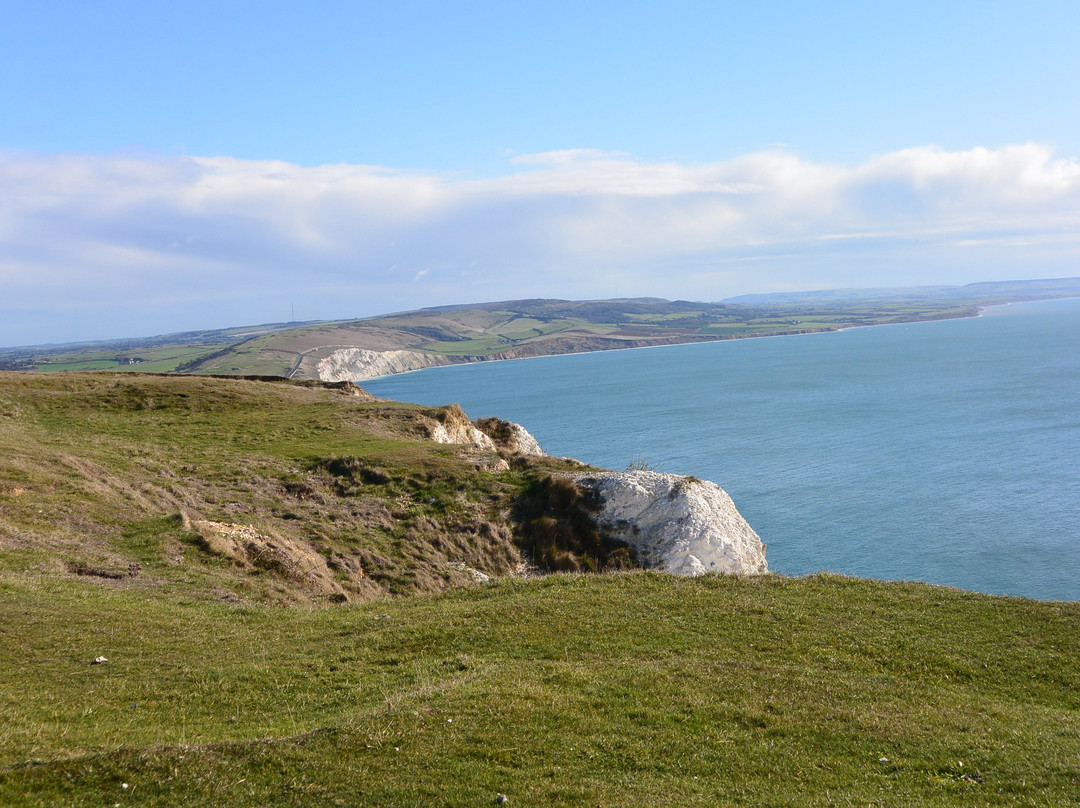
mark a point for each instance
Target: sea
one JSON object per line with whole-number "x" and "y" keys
{"x": 946, "y": 452}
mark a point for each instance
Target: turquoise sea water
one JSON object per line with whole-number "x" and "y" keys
{"x": 946, "y": 452}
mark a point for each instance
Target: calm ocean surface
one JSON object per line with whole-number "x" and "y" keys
{"x": 945, "y": 452}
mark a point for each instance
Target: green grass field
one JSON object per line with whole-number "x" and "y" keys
{"x": 618, "y": 690}
{"x": 150, "y": 360}
{"x": 483, "y": 346}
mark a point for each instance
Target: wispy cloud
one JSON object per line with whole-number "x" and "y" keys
{"x": 125, "y": 243}
{"x": 563, "y": 156}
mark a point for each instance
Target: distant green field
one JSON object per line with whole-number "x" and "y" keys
{"x": 504, "y": 335}
{"x": 469, "y": 347}
{"x": 148, "y": 360}
{"x": 726, "y": 330}
{"x": 663, "y": 318}
{"x": 519, "y": 325}
{"x": 525, "y": 328}
{"x": 248, "y": 360}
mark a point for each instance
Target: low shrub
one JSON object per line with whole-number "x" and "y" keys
{"x": 555, "y": 525}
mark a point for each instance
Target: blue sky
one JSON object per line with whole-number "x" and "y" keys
{"x": 177, "y": 166}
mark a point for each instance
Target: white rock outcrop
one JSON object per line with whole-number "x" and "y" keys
{"x": 680, "y": 525}
{"x": 450, "y": 424}
{"x": 465, "y": 434}
{"x": 522, "y": 442}
{"x": 354, "y": 364}
{"x": 511, "y": 437}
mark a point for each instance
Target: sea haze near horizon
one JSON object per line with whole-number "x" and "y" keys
{"x": 945, "y": 452}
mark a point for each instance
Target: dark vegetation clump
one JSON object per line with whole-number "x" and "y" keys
{"x": 497, "y": 429}
{"x": 130, "y": 571}
{"x": 503, "y": 434}
{"x": 557, "y": 529}
{"x": 351, "y": 472}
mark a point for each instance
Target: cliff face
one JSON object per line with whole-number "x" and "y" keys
{"x": 677, "y": 524}
{"x": 347, "y": 363}
{"x": 356, "y": 364}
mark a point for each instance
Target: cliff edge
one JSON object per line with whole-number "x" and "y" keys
{"x": 680, "y": 525}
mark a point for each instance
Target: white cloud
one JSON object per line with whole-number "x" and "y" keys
{"x": 113, "y": 235}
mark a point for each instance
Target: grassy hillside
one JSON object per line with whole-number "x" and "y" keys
{"x": 249, "y": 489}
{"x": 279, "y": 575}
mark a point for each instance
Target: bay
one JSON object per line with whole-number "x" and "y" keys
{"x": 945, "y": 452}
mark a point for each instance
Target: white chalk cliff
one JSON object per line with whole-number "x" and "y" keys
{"x": 680, "y": 525}
{"x": 354, "y": 364}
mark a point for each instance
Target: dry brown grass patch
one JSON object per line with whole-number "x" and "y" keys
{"x": 251, "y": 548}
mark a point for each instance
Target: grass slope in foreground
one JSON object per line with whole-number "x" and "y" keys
{"x": 631, "y": 689}
{"x": 238, "y": 679}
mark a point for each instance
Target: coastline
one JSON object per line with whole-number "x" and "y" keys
{"x": 983, "y": 309}
{"x": 981, "y": 312}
